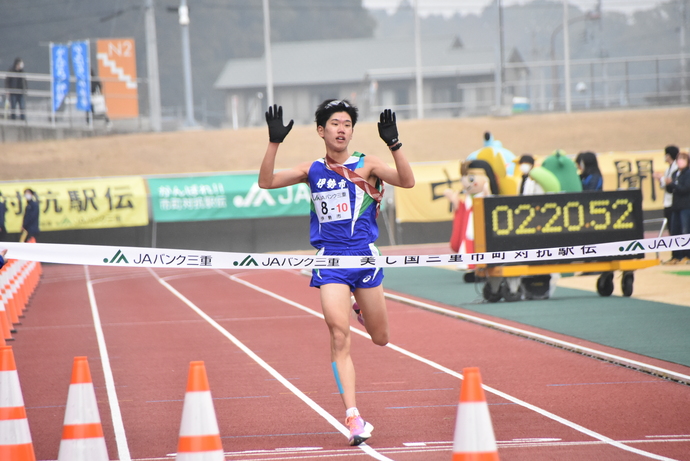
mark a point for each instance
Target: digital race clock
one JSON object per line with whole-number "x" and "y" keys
{"x": 504, "y": 223}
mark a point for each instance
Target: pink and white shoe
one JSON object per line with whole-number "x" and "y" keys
{"x": 360, "y": 430}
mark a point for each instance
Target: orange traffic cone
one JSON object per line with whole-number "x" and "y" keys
{"x": 82, "y": 433}
{"x": 474, "y": 436}
{"x": 15, "y": 437}
{"x": 199, "y": 437}
{"x": 4, "y": 322}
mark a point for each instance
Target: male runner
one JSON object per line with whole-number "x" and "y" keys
{"x": 346, "y": 190}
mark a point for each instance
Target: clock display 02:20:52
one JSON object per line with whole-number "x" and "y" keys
{"x": 553, "y": 220}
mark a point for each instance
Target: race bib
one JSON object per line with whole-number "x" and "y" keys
{"x": 332, "y": 205}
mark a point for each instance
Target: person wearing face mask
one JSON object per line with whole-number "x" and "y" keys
{"x": 670, "y": 155}
{"x": 30, "y": 229}
{"x": 16, "y": 87}
{"x": 528, "y": 186}
{"x": 679, "y": 186}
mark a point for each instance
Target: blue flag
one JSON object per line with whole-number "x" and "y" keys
{"x": 82, "y": 73}
{"x": 60, "y": 73}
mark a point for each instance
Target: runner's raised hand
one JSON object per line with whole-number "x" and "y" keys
{"x": 274, "y": 118}
{"x": 388, "y": 130}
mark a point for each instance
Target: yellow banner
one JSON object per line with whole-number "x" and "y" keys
{"x": 634, "y": 170}
{"x": 425, "y": 202}
{"x": 621, "y": 170}
{"x": 79, "y": 204}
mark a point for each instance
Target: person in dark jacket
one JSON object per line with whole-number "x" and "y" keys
{"x": 30, "y": 229}
{"x": 3, "y": 211}
{"x": 16, "y": 89}
{"x": 679, "y": 186}
{"x": 589, "y": 171}
{"x": 670, "y": 154}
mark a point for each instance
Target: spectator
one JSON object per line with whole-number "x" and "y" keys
{"x": 30, "y": 228}
{"x": 3, "y": 210}
{"x": 97, "y": 100}
{"x": 679, "y": 186}
{"x": 16, "y": 87}
{"x": 589, "y": 171}
{"x": 528, "y": 186}
{"x": 671, "y": 152}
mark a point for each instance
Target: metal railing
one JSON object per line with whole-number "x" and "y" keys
{"x": 626, "y": 82}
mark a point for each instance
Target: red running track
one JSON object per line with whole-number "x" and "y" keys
{"x": 267, "y": 360}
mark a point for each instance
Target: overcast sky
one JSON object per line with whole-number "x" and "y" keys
{"x": 449, "y": 7}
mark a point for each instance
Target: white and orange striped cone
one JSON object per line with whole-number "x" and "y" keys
{"x": 5, "y": 332}
{"x": 474, "y": 436}
{"x": 199, "y": 437}
{"x": 82, "y": 433}
{"x": 15, "y": 437}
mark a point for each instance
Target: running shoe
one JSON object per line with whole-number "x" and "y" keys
{"x": 360, "y": 430}
{"x": 357, "y": 310}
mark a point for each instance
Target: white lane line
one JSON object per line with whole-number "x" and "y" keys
{"x": 313, "y": 405}
{"x": 439, "y": 367}
{"x": 629, "y": 363}
{"x": 115, "y": 414}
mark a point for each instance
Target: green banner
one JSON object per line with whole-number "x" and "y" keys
{"x": 205, "y": 198}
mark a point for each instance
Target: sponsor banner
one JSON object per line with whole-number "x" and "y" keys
{"x": 425, "y": 202}
{"x": 117, "y": 68}
{"x": 59, "y": 63}
{"x": 82, "y": 73}
{"x": 79, "y": 204}
{"x": 635, "y": 170}
{"x": 205, "y": 198}
{"x": 94, "y": 255}
{"x": 620, "y": 170}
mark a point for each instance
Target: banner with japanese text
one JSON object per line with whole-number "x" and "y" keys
{"x": 59, "y": 73}
{"x": 79, "y": 204}
{"x": 425, "y": 202}
{"x": 634, "y": 170}
{"x": 202, "y": 198}
{"x": 620, "y": 170}
{"x": 82, "y": 73}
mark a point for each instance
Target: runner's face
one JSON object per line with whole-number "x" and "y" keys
{"x": 337, "y": 132}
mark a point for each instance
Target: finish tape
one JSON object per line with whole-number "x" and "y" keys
{"x": 97, "y": 255}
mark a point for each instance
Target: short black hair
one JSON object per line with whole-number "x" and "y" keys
{"x": 330, "y": 107}
{"x": 672, "y": 151}
{"x": 526, "y": 158}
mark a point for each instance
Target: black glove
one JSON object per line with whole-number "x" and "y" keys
{"x": 387, "y": 128}
{"x": 276, "y": 130}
